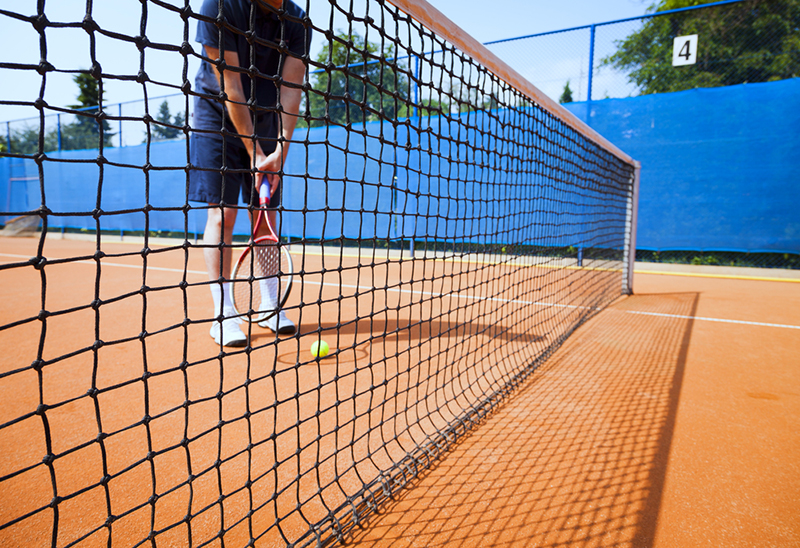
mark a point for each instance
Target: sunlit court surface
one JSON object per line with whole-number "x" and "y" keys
{"x": 184, "y": 424}
{"x": 680, "y": 396}
{"x": 667, "y": 420}
{"x": 537, "y": 292}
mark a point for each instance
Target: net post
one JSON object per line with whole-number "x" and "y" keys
{"x": 631, "y": 222}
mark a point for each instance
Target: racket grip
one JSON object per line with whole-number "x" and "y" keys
{"x": 263, "y": 192}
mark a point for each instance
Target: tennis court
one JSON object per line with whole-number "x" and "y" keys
{"x": 171, "y": 407}
{"x": 682, "y": 395}
{"x": 464, "y": 244}
{"x": 668, "y": 420}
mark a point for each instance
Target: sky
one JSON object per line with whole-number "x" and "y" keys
{"x": 69, "y": 48}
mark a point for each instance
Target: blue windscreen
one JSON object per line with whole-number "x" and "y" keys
{"x": 719, "y": 172}
{"x": 720, "y": 167}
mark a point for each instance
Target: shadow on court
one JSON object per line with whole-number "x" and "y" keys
{"x": 157, "y": 435}
{"x": 412, "y": 330}
{"x": 577, "y": 457}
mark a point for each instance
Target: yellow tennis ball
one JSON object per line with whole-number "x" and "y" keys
{"x": 319, "y": 349}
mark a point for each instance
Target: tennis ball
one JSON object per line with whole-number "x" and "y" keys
{"x": 319, "y": 349}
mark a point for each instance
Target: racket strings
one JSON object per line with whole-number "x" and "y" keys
{"x": 268, "y": 258}
{"x": 261, "y": 280}
{"x": 246, "y": 289}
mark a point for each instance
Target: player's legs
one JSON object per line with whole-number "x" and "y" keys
{"x": 217, "y": 239}
{"x": 208, "y": 185}
{"x": 219, "y": 229}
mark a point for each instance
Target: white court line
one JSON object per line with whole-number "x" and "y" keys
{"x": 456, "y": 295}
{"x": 120, "y": 265}
{"x": 700, "y": 318}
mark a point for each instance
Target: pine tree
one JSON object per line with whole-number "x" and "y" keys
{"x": 84, "y": 133}
{"x": 566, "y": 96}
{"x": 164, "y": 132}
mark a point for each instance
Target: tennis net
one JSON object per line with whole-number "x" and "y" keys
{"x": 449, "y": 225}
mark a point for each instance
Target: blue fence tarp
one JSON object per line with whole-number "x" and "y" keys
{"x": 720, "y": 167}
{"x": 719, "y": 173}
{"x": 467, "y": 179}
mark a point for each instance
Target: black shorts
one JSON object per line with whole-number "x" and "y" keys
{"x": 206, "y": 180}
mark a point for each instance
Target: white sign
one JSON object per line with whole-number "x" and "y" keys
{"x": 684, "y": 50}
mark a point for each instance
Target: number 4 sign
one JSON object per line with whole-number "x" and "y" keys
{"x": 684, "y": 50}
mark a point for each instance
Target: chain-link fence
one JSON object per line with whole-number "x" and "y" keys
{"x": 669, "y": 50}
{"x": 79, "y": 129}
{"x": 740, "y": 41}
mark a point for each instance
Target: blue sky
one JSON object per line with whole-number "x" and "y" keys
{"x": 69, "y": 48}
{"x": 510, "y": 18}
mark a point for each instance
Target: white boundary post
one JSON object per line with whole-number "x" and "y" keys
{"x": 632, "y": 222}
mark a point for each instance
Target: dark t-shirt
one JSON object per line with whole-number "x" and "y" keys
{"x": 272, "y": 32}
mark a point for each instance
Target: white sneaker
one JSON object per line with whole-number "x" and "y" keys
{"x": 228, "y": 333}
{"x": 278, "y": 323}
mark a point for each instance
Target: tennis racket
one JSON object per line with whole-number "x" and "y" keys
{"x": 262, "y": 277}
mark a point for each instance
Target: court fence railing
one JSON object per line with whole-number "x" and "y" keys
{"x": 740, "y": 41}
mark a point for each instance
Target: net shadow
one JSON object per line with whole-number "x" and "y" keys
{"x": 420, "y": 329}
{"x": 577, "y": 457}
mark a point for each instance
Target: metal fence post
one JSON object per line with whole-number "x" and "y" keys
{"x": 120, "y": 125}
{"x": 58, "y": 126}
{"x": 8, "y": 136}
{"x": 416, "y": 85}
{"x": 591, "y": 65}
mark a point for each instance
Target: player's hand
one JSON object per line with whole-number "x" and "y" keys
{"x": 272, "y": 164}
{"x": 259, "y": 182}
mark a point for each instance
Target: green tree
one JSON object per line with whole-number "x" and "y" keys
{"x": 566, "y": 96}
{"x": 26, "y": 140}
{"x": 84, "y": 132}
{"x": 433, "y": 107}
{"x": 165, "y": 132}
{"x": 750, "y": 41}
{"x": 363, "y": 83}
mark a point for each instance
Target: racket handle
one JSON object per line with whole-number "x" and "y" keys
{"x": 263, "y": 192}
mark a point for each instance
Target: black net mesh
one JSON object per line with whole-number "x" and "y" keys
{"x": 448, "y": 233}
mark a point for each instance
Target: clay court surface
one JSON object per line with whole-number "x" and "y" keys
{"x": 669, "y": 419}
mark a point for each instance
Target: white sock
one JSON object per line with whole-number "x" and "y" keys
{"x": 227, "y": 291}
{"x": 223, "y": 294}
{"x": 269, "y": 293}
